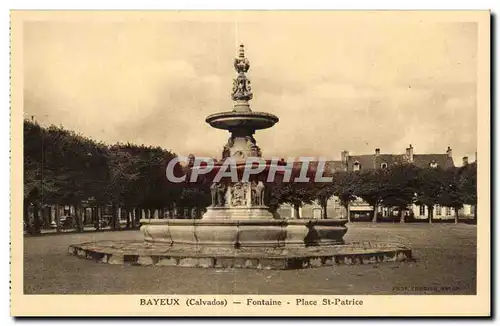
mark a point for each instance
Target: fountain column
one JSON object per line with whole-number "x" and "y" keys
{"x": 241, "y": 123}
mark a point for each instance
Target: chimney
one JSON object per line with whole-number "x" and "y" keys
{"x": 377, "y": 151}
{"x": 409, "y": 153}
{"x": 449, "y": 152}
{"x": 344, "y": 156}
{"x": 191, "y": 159}
{"x": 465, "y": 161}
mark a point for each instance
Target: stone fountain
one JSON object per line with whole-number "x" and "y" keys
{"x": 238, "y": 230}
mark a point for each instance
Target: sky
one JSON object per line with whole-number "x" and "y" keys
{"x": 336, "y": 84}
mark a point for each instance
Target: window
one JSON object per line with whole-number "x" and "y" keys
{"x": 438, "y": 210}
{"x": 422, "y": 210}
{"x": 433, "y": 164}
{"x": 448, "y": 211}
{"x": 356, "y": 166}
{"x": 383, "y": 165}
{"x": 385, "y": 211}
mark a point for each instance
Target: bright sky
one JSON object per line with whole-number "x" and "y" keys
{"x": 336, "y": 83}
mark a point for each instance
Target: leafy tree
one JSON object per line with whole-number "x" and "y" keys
{"x": 431, "y": 185}
{"x": 322, "y": 192}
{"x": 195, "y": 196}
{"x": 124, "y": 175}
{"x": 451, "y": 195}
{"x": 371, "y": 186}
{"x": 295, "y": 194}
{"x": 60, "y": 166}
{"x": 401, "y": 185}
{"x": 344, "y": 187}
{"x": 468, "y": 185}
{"x": 37, "y": 184}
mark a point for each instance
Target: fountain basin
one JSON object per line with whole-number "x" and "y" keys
{"x": 244, "y": 233}
{"x": 250, "y": 120}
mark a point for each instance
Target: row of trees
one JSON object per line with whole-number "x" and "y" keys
{"x": 397, "y": 186}
{"x": 65, "y": 168}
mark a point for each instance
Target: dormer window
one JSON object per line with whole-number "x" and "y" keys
{"x": 433, "y": 164}
{"x": 356, "y": 166}
{"x": 383, "y": 166}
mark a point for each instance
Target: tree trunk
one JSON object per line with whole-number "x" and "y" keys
{"x": 401, "y": 215}
{"x": 127, "y": 215}
{"x": 456, "y": 215}
{"x": 36, "y": 219}
{"x": 132, "y": 218}
{"x": 138, "y": 216}
{"x": 114, "y": 217}
{"x": 348, "y": 209}
{"x": 324, "y": 207}
{"x": 46, "y": 217}
{"x": 78, "y": 219}
{"x": 296, "y": 210}
{"x": 58, "y": 218}
{"x": 430, "y": 212}
{"x": 95, "y": 218}
{"x": 26, "y": 216}
{"x": 375, "y": 209}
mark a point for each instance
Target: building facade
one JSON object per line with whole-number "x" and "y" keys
{"x": 359, "y": 210}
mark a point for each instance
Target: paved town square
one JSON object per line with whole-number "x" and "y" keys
{"x": 445, "y": 263}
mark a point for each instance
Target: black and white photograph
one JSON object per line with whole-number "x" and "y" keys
{"x": 250, "y": 162}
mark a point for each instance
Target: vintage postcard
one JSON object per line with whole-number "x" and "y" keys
{"x": 250, "y": 163}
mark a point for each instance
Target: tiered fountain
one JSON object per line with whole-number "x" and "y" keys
{"x": 238, "y": 230}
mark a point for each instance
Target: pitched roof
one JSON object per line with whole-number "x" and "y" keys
{"x": 330, "y": 167}
{"x": 389, "y": 159}
{"x": 424, "y": 160}
{"x": 366, "y": 161}
{"x": 334, "y": 166}
{"x": 373, "y": 161}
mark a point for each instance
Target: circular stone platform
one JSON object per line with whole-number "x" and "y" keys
{"x": 143, "y": 253}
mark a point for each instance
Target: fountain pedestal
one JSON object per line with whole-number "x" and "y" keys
{"x": 238, "y": 230}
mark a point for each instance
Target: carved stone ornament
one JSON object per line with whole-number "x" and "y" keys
{"x": 213, "y": 192}
{"x": 242, "y": 91}
{"x": 238, "y": 194}
{"x": 221, "y": 195}
{"x": 259, "y": 193}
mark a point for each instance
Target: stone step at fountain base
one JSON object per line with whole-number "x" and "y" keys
{"x": 156, "y": 254}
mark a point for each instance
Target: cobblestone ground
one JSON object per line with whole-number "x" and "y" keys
{"x": 445, "y": 253}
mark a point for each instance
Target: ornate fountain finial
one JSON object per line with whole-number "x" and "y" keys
{"x": 241, "y": 64}
{"x": 242, "y": 92}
